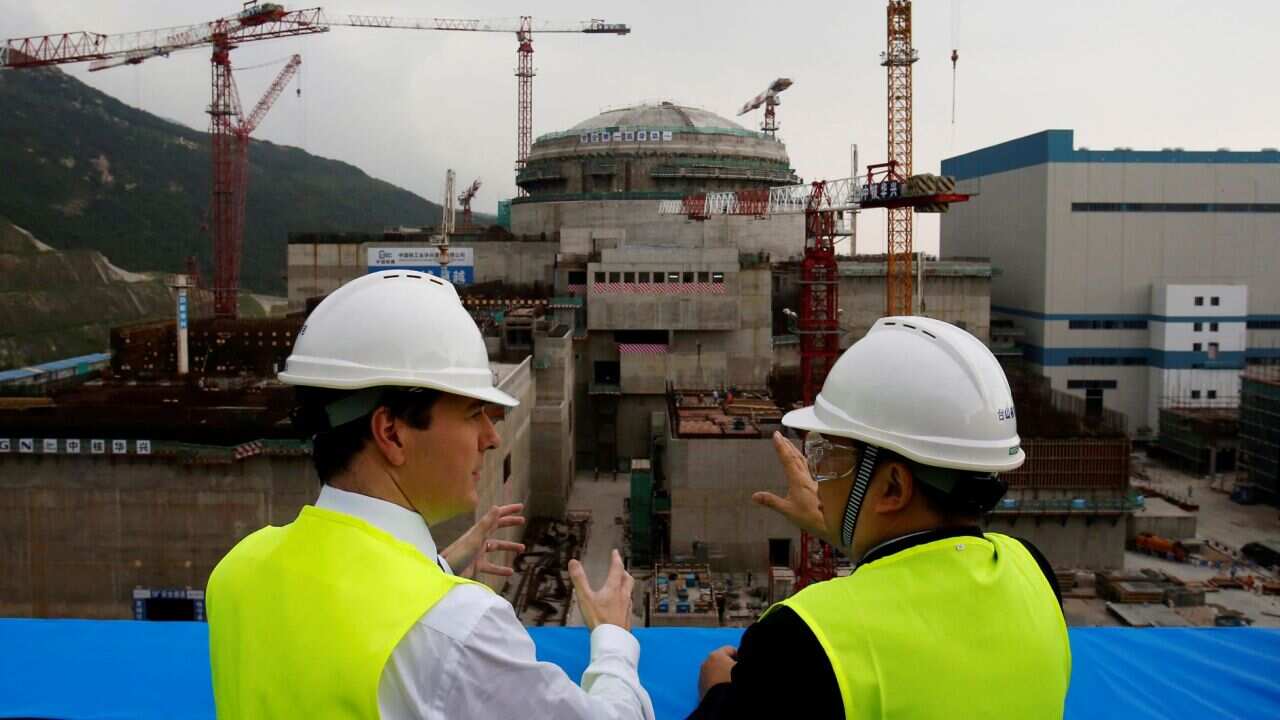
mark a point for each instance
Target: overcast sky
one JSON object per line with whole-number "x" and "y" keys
{"x": 406, "y": 105}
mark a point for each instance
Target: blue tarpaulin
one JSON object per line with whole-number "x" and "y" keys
{"x": 125, "y": 669}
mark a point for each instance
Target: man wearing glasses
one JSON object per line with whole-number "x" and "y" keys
{"x": 903, "y": 450}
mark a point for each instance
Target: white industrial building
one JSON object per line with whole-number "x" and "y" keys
{"x": 1135, "y": 278}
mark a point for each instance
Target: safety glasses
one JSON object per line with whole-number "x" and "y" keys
{"x": 828, "y": 459}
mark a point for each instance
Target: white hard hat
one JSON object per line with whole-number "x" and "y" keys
{"x": 924, "y": 389}
{"x": 394, "y": 328}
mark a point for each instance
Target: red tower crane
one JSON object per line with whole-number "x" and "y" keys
{"x": 465, "y": 199}
{"x": 770, "y": 99}
{"x": 263, "y": 21}
{"x": 228, "y": 130}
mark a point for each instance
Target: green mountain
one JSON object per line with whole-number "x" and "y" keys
{"x": 83, "y": 171}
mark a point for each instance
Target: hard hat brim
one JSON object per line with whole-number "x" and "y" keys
{"x": 487, "y": 394}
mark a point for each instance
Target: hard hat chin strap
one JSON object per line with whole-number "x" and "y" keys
{"x": 868, "y": 459}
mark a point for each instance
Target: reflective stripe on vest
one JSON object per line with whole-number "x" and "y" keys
{"x": 962, "y": 627}
{"x": 302, "y": 618}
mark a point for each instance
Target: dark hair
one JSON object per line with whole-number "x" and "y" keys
{"x": 333, "y": 448}
{"x": 957, "y": 496}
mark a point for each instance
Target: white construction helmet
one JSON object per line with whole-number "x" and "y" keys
{"x": 924, "y": 389}
{"x": 399, "y": 328}
{"x": 930, "y": 392}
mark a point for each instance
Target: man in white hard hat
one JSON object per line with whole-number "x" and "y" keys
{"x": 904, "y": 446}
{"x": 350, "y": 610}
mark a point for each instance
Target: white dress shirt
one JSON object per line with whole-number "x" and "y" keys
{"x": 469, "y": 656}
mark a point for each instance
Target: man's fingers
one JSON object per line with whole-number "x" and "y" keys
{"x": 499, "y": 570}
{"x": 504, "y": 546}
{"x": 771, "y": 501}
{"x": 510, "y": 521}
{"x": 579, "y": 577}
{"x": 512, "y": 509}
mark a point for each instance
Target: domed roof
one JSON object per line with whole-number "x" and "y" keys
{"x": 665, "y": 114}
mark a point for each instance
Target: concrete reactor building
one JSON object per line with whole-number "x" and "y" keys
{"x": 1139, "y": 280}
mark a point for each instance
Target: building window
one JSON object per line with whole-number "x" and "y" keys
{"x": 577, "y": 277}
{"x": 1213, "y": 301}
{"x": 1091, "y": 384}
{"x": 1263, "y": 324}
{"x": 1196, "y": 347}
{"x": 615, "y": 277}
{"x": 599, "y": 277}
{"x": 673, "y": 277}
{"x": 1198, "y": 327}
{"x": 1176, "y": 207}
{"x": 688, "y": 277}
{"x": 1195, "y": 394}
{"x": 1107, "y": 324}
{"x": 1213, "y": 350}
{"x": 1212, "y": 394}
{"x": 658, "y": 276}
{"x": 704, "y": 277}
{"x": 642, "y": 277}
{"x": 717, "y": 277}
{"x": 1213, "y": 327}
{"x": 1199, "y": 300}
{"x": 628, "y": 277}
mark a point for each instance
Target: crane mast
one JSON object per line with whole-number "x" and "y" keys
{"x": 897, "y": 59}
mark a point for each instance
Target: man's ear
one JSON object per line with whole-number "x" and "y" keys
{"x": 385, "y": 429}
{"x": 899, "y": 487}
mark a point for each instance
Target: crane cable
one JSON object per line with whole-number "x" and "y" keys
{"x": 955, "y": 57}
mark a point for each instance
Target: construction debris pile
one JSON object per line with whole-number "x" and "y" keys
{"x": 540, "y": 590}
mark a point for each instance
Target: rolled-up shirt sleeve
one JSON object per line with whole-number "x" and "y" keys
{"x": 473, "y": 658}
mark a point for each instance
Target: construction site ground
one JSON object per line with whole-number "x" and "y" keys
{"x": 1219, "y": 519}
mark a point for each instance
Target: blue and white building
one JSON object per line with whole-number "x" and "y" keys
{"x": 1138, "y": 277}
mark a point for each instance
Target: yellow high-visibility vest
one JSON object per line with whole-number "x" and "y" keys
{"x": 963, "y": 627}
{"x": 302, "y": 618}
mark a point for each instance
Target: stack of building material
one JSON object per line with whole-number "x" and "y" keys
{"x": 1137, "y": 592}
{"x": 1066, "y": 579}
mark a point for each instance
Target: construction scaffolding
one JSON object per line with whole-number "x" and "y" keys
{"x": 1198, "y": 438}
{"x": 1260, "y": 429}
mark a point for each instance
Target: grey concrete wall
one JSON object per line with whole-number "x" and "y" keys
{"x": 711, "y": 482}
{"x": 634, "y": 423}
{"x": 1007, "y": 222}
{"x": 79, "y": 533}
{"x": 781, "y": 236}
{"x": 319, "y": 269}
{"x": 1107, "y": 262}
{"x": 1160, "y": 517}
{"x": 552, "y": 473}
{"x": 1079, "y": 543}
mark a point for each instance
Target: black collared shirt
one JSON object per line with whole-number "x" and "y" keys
{"x": 782, "y": 666}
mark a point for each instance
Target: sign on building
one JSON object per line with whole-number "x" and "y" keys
{"x": 26, "y": 445}
{"x": 119, "y": 447}
{"x": 144, "y": 447}
{"x": 73, "y": 447}
{"x": 97, "y": 447}
{"x": 50, "y": 446}
{"x": 461, "y": 269}
{"x": 5, "y": 446}
{"x": 667, "y": 135}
